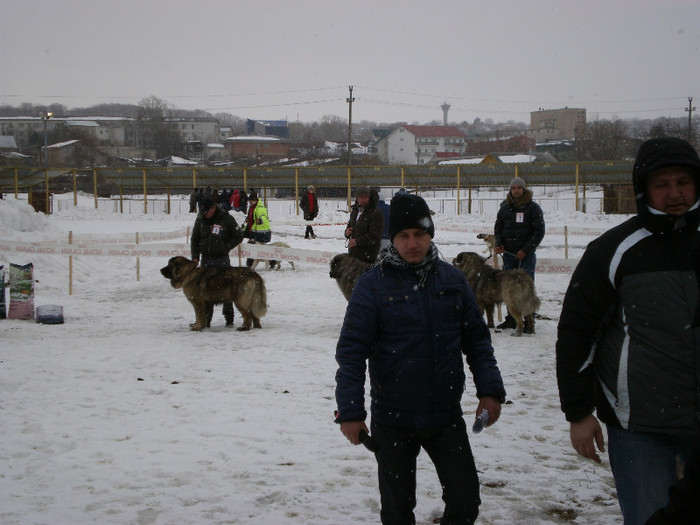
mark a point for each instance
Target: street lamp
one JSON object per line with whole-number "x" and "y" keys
{"x": 45, "y": 118}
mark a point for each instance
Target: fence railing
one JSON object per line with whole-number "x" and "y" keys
{"x": 335, "y": 180}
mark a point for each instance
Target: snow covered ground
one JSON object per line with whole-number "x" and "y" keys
{"x": 123, "y": 416}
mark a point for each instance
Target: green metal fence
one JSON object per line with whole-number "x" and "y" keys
{"x": 292, "y": 179}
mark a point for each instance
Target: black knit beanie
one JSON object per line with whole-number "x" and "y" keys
{"x": 409, "y": 211}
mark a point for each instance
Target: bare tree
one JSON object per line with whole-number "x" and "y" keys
{"x": 604, "y": 140}
{"x": 154, "y": 130}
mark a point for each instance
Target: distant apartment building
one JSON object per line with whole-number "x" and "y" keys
{"x": 256, "y": 147}
{"x": 419, "y": 144}
{"x": 514, "y": 144}
{"x": 202, "y": 130}
{"x": 275, "y": 128}
{"x": 115, "y": 136}
{"x": 29, "y": 131}
{"x": 557, "y": 124}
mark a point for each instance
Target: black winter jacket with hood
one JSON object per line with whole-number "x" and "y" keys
{"x": 367, "y": 229}
{"x": 626, "y": 341}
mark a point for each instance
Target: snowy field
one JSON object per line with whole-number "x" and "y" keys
{"x": 122, "y": 415}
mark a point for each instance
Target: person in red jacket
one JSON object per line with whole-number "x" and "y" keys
{"x": 309, "y": 205}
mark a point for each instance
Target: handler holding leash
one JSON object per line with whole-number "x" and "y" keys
{"x": 214, "y": 235}
{"x": 519, "y": 230}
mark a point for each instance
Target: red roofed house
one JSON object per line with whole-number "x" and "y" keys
{"x": 419, "y": 144}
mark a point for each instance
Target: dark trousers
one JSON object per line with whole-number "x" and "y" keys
{"x": 260, "y": 238}
{"x": 450, "y": 452}
{"x": 309, "y": 231}
{"x": 220, "y": 262}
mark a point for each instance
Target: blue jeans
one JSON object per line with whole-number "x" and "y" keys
{"x": 449, "y": 450}
{"x": 528, "y": 264}
{"x": 644, "y": 467}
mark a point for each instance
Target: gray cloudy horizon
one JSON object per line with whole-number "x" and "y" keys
{"x": 269, "y": 59}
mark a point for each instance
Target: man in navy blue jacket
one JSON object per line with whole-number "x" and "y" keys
{"x": 413, "y": 316}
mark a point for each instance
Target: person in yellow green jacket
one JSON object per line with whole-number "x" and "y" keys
{"x": 257, "y": 224}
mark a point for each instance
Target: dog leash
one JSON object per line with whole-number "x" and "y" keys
{"x": 512, "y": 255}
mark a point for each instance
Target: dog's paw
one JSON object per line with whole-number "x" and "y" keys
{"x": 516, "y": 334}
{"x": 243, "y": 328}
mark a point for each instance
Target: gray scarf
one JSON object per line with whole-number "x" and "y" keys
{"x": 390, "y": 256}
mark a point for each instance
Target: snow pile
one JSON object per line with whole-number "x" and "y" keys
{"x": 18, "y": 216}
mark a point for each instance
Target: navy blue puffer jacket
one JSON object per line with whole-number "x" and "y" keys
{"x": 519, "y": 224}
{"x": 414, "y": 337}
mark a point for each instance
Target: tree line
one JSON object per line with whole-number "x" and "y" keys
{"x": 602, "y": 139}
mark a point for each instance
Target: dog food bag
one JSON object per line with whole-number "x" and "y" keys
{"x": 2, "y": 292}
{"x": 21, "y": 291}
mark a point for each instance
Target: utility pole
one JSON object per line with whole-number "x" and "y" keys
{"x": 690, "y": 110}
{"x": 350, "y": 100}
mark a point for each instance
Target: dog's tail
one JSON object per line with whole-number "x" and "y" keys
{"x": 532, "y": 305}
{"x": 258, "y": 304}
{"x": 523, "y": 294}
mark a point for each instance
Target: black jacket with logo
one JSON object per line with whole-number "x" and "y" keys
{"x": 215, "y": 237}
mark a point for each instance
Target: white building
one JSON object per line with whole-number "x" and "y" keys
{"x": 419, "y": 144}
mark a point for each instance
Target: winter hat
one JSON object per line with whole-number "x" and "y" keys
{"x": 663, "y": 152}
{"x": 409, "y": 211}
{"x": 206, "y": 203}
{"x": 253, "y": 196}
{"x": 517, "y": 181}
{"x": 311, "y": 188}
{"x": 362, "y": 191}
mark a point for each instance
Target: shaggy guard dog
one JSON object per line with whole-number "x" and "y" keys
{"x": 515, "y": 288}
{"x": 278, "y": 264}
{"x": 205, "y": 287}
{"x": 345, "y": 270}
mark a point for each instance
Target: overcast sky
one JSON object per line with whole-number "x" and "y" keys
{"x": 279, "y": 59}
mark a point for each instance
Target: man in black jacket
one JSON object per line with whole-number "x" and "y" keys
{"x": 626, "y": 342}
{"x": 364, "y": 229}
{"x": 519, "y": 230}
{"x": 214, "y": 235}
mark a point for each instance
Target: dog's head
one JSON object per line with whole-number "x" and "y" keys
{"x": 177, "y": 269}
{"x": 469, "y": 263}
{"x": 489, "y": 239}
{"x": 335, "y": 265}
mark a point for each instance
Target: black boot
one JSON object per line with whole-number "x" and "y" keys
{"x": 228, "y": 313}
{"x": 509, "y": 322}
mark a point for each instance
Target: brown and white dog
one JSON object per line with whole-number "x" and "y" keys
{"x": 204, "y": 287}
